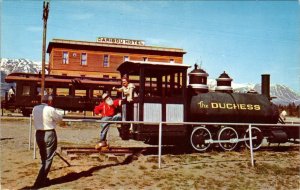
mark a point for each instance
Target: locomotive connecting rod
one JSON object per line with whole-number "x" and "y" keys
{"x": 229, "y": 141}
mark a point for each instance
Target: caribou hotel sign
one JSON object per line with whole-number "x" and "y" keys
{"x": 121, "y": 41}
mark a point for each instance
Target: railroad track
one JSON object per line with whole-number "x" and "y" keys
{"x": 113, "y": 152}
{"x": 108, "y": 150}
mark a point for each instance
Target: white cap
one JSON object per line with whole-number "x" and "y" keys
{"x": 104, "y": 96}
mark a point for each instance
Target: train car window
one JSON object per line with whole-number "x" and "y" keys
{"x": 26, "y": 91}
{"x": 48, "y": 91}
{"x": 114, "y": 93}
{"x": 80, "y": 93}
{"x": 151, "y": 89}
{"x": 97, "y": 93}
{"x": 62, "y": 91}
{"x": 38, "y": 91}
{"x": 172, "y": 85}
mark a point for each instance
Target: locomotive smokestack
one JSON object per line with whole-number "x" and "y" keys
{"x": 265, "y": 85}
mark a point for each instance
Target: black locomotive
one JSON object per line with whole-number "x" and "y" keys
{"x": 163, "y": 95}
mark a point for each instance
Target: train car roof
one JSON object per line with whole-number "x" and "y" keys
{"x": 133, "y": 67}
{"x": 14, "y": 77}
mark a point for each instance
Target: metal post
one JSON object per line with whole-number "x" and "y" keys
{"x": 251, "y": 147}
{"x": 34, "y": 145}
{"x": 159, "y": 144}
{"x": 30, "y": 132}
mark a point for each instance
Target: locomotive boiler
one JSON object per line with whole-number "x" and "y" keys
{"x": 232, "y": 108}
{"x": 164, "y": 96}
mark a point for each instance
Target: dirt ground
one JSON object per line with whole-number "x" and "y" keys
{"x": 275, "y": 168}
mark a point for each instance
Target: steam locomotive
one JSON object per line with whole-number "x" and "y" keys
{"x": 164, "y": 96}
{"x": 169, "y": 99}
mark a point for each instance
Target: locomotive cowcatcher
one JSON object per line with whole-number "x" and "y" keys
{"x": 163, "y": 95}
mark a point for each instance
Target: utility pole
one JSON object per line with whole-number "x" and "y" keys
{"x": 45, "y": 18}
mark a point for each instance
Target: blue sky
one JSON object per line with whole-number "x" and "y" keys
{"x": 243, "y": 38}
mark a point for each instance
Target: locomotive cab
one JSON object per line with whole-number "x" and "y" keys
{"x": 161, "y": 97}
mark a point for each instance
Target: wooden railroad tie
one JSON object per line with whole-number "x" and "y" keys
{"x": 110, "y": 152}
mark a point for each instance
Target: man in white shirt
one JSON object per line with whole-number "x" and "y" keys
{"x": 45, "y": 120}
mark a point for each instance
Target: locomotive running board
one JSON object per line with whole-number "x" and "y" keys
{"x": 228, "y": 141}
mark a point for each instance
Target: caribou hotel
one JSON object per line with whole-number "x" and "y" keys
{"x": 102, "y": 57}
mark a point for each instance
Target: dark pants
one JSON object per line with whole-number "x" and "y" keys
{"x": 47, "y": 143}
{"x": 105, "y": 126}
{"x": 127, "y": 111}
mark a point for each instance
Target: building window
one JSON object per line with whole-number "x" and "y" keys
{"x": 65, "y": 57}
{"x": 126, "y": 58}
{"x": 106, "y": 61}
{"x": 145, "y": 58}
{"x": 172, "y": 61}
{"x": 83, "y": 59}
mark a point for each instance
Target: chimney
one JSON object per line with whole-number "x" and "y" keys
{"x": 265, "y": 85}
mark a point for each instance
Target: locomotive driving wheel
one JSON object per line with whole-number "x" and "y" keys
{"x": 256, "y": 143}
{"x": 230, "y": 135}
{"x": 198, "y": 137}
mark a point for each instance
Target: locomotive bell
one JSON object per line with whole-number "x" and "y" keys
{"x": 198, "y": 80}
{"x": 224, "y": 83}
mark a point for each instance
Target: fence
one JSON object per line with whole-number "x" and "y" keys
{"x": 97, "y": 120}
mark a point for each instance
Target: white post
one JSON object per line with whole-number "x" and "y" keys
{"x": 30, "y": 132}
{"x": 251, "y": 147}
{"x": 34, "y": 145}
{"x": 131, "y": 126}
{"x": 159, "y": 144}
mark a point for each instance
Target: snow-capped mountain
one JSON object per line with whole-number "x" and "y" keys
{"x": 8, "y": 66}
{"x": 281, "y": 94}
{"x": 19, "y": 65}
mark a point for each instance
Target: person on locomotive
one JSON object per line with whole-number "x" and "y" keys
{"x": 127, "y": 90}
{"x": 107, "y": 110}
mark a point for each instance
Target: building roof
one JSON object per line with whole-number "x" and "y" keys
{"x": 122, "y": 46}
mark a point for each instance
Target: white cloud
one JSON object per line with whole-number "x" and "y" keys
{"x": 34, "y": 28}
{"x": 155, "y": 41}
{"x": 81, "y": 16}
